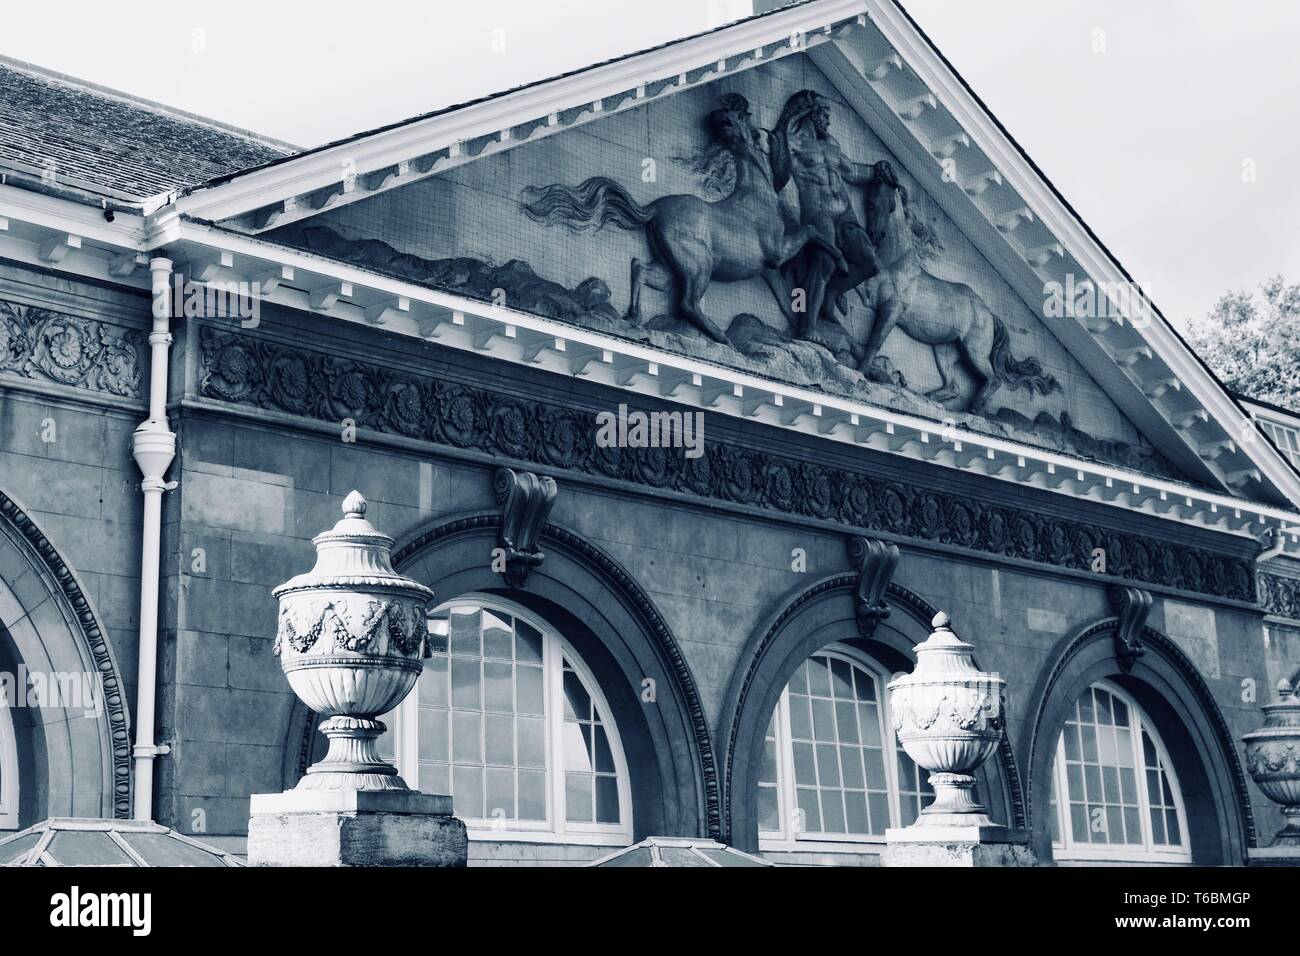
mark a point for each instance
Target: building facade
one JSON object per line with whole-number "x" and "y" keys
{"x": 694, "y": 385}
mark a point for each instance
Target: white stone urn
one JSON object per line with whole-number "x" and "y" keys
{"x": 948, "y": 715}
{"x": 1273, "y": 760}
{"x": 352, "y": 639}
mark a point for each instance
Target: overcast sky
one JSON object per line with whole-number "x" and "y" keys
{"x": 1146, "y": 137}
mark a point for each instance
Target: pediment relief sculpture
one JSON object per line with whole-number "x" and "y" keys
{"x": 827, "y": 254}
{"x": 811, "y": 266}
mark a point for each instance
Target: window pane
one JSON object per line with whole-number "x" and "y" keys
{"x": 810, "y": 811}
{"x": 499, "y": 739}
{"x": 466, "y": 736}
{"x": 577, "y": 797}
{"x": 528, "y": 647}
{"x": 532, "y": 741}
{"x": 467, "y": 791}
{"x": 528, "y": 690}
{"x": 532, "y": 795}
{"x": 433, "y": 735}
{"x": 855, "y": 806}
{"x": 498, "y": 687}
{"x": 819, "y": 677}
{"x": 498, "y": 636}
{"x": 846, "y": 721}
{"x": 604, "y": 755}
{"x": 769, "y": 810}
{"x": 800, "y": 718}
{"x": 435, "y": 778}
{"x": 832, "y": 811}
{"x": 500, "y": 793}
{"x": 464, "y": 631}
{"x": 606, "y": 799}
{"x": 433, "y": 682}
{"x": 577, "y": 747}
{"x": 465, "y": 675}
{"x": 577, "y": 703}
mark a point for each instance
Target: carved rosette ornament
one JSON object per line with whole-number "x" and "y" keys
{"x": 1273, "y": 760}
{"x": 352, "y": 640}
{"x": 949, "y": 716}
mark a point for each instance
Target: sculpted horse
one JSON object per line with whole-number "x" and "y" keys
{"x": 693, "y": 241}
{"x": 949, "y": 316}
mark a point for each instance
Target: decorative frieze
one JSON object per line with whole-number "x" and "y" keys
{"x": 1279, "y": 595}
{"x": 69, "y": 350}
{"x": 258, "y": 373}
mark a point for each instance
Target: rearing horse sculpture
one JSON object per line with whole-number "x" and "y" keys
{"x": 693, "y": 241}
{"x": 949, "y": 316}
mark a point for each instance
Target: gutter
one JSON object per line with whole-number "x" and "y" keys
{"x": 154, "y": 447}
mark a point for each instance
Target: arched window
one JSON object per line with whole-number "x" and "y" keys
{"x": 1121, "y": 794}
{"x": 832, "y": 771}
{"x": 8, "y": 767}
{"x": 507, "y": 719}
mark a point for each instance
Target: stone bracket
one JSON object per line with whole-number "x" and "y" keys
{"x": 875, "y": 562}
{"x": 526, "y": 500}
{"x": 1131, "y": 606}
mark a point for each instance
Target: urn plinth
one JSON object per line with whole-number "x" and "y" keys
{"x": 351, "y": 640}
{"x": 948, "y": 715}
{"x": 1273, "y": 760}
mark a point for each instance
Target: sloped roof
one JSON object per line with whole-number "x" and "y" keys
{"x": 113, "y": 143}
{"x": 679, "y": 851}
{"x": 68, "y": 841}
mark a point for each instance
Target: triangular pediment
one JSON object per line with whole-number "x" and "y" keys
{"x": 646, "y": 203}
{"x": 542, "y": 200}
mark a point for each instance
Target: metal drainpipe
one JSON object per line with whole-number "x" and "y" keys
{"x": 154, "y": 447}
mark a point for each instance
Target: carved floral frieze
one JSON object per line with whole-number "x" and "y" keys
{"x": 1279, "y": 595}
{"x": 254, "y": 372}
{"x": 70, "y": 350}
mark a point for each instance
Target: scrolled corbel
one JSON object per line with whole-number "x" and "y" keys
{"x": 875, "y": 562}
{"x": 1131, "y": 606}
{"x": 526, "y": 501}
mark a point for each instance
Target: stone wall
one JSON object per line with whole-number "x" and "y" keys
{"x": 256, "y": 483}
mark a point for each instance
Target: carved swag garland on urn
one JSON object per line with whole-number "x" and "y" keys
{"x": 259, "y": 373}
{"x": 1273, "y": 760}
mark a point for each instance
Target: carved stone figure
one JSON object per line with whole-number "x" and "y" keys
{"x": 694, "y": 241}
{"x": 803, "y": 150}
{"x": 947, "y": 315}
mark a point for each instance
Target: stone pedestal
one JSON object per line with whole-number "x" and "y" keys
{"x": 355, "y": 828}
{"x": 922, "y": 845}
{"x": 1273, "y": 856}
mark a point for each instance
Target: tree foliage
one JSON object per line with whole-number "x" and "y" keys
{"x": 1252, "y": 341}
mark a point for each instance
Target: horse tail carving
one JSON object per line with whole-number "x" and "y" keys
{"x": 591, "y": 206}
{"x": 1017, "y": 373}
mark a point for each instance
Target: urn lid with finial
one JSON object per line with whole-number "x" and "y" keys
{"x": 353, "y": 554}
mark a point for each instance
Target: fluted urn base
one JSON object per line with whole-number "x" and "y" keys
{"x": 954, "y": 803}
{"x": 1289, "y": 835}
{"x": 352, "y": 761}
